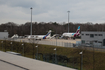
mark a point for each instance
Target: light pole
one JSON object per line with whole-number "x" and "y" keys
{"x": 37, "y": 51}
{"x": 81, "y": 60}
{"x": 55, "y": 55}
{"x": 23, "y": 49}
{"x": 34, "y": 32}
{"x": 56, "y": 39}
{"x": 68, "y": 20}
{"x": 31, "y": 22}
{"x": 11, "y": 46}
{"x": 93, "y": 57}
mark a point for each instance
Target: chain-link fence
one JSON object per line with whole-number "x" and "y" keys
{"x": 93, "y": 58}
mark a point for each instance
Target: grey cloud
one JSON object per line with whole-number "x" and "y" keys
{"x": 54, "y": 10}
{"x": 19, "y": 3}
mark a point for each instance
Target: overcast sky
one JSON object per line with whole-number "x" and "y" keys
{"x": 81, "y": 11}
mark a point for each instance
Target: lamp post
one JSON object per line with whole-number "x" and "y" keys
{"x": 68, "y": 20}
{"x": 11, "y": 46}
{"x": 34, "y": 32}
{"x": 93, "y": 57}
{"x": 56, "y": 36}
{"x": 55, "y": 55}
{"x": 81, "y": 60}
{"x": 37, "y": 51}
{"x": 56, "y": 39}
{"x": 2, "y": 45}
{"x": 93, "y": 53}
{"x": 31, "y": 22}
{"x": 23, "y": 49}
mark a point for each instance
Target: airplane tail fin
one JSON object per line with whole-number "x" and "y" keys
{"x": 48, "y": 34}
{"x": 78, "y": 30}
{"x": 49, "y": 31}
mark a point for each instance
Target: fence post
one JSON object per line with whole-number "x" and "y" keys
{"x": 5, "y": 44}
{"x": 2, "y": 45}
{"x": 23, "y": 48}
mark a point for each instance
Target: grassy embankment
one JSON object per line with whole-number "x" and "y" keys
{"x": 98, "y": 62}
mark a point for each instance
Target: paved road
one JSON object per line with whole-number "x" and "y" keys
{"x": 22, "y": 63}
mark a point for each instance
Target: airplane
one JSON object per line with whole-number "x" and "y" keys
{"x": 39, "y": 37}
{"x": 71, "y": 35}
{"x": 14, "y": 36}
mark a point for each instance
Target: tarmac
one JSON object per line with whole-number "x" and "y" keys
{"x": 15, "y": 62}
{"x": 51, "y": 40}
{"x": 55, "y": 42}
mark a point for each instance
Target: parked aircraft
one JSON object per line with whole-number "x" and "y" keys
{"x": 15, "y": 36}
{"x": 71, "y": 35}
{"x": 39, "y": 37}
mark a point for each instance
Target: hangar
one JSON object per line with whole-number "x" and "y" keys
{"x": 96, "y": 39}
{"x": 3, "y": 35}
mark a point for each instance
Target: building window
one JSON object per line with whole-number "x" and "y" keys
{"x": 91, "y": 35}
{"x": 95, "y": 41}
{"x": 87, "y": 34}
{"x": 95, "y": 34}
{"x": 103, "y": 42}
{"x": 100, "y": 34}
{"x": 83, "y": 41}
{"x": 82, "y": 34}
{"x": 99, "y": 42}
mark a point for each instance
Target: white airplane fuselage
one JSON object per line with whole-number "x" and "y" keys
{"x": 39, "y": 37}
{"x": 72, "y": 35}
{"x": 68, "y": 34}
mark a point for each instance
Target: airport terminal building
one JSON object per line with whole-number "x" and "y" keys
{"x": 96, "y": 39}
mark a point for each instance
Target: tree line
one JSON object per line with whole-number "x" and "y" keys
{"x": 42, "y": 28}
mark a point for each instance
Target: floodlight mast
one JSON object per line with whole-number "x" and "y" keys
{"x": 31, "y": 22}
{"x": 68, "y": 20}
